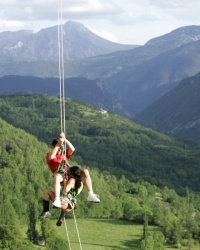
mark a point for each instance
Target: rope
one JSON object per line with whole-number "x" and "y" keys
{"x": 59, "y": 63}
{"x": 67, "y": 234}
{"x": 61, "y": 67}
{"x": 62, "y": 96}
{"x": 79, "y": 240}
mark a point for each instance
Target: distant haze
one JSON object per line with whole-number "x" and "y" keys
{"x": 126, "y": 22}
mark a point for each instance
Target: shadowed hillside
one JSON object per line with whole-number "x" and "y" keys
{"x": 176, "y": 113}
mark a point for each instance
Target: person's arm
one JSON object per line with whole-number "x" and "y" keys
{"x": 80, "y": 189}
{"x": 70, "y": 147}
{"x": 54, "y": 151}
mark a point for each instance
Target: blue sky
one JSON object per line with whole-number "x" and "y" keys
{"x": 121, "y": 21}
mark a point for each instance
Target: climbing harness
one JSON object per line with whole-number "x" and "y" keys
{"x": 62, "y": 103}
{"x": 63, "y": 169}
{"x": 68, "y": 199}
{"x": 64, "y": 166}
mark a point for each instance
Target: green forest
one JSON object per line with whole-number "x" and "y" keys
{"x": 141, "y": 175}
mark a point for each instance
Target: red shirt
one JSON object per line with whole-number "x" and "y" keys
{"x": 54, "y": 163}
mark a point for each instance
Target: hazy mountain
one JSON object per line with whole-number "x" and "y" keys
{"x": 78, "y": 42}
{"x": 134, "y": 78}
{"x": 177, "y": 112}
{"x": 138, "y": 87}
{"x": 178, "y": 37}
{"x": 82, "y": 89}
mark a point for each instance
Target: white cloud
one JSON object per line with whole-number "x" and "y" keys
{"x": 91, "y": 6}
{"x": 124, "y": 21}
{"x": 14, "y": 24}
{"x": 105, "y": 34}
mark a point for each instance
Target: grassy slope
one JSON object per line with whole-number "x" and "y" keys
{"x": 104, "y": 234}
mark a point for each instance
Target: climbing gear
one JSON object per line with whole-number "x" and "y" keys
{"x": 63, "y": 168}
{"x": 68, "y": 199}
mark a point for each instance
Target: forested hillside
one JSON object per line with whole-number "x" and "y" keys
{"x": 107, "y": 141}
{"x": 24, "y": 175}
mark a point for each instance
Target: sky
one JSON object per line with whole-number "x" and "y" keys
{"x": 120, "y": 21}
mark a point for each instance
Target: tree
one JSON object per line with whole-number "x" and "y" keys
{"x": 32, "y": 232}
{"x": 147, "y": 243}
{"x": 47, "y": 231}
{"x": 10, "y": 236}
{"x": 145, "y": 227}
{"x": 57, "y": 243}
{"x": 153, "y": 242}
{"x": 131, "y": 209}
{"x": 52, "y": 241}
{"x": 159, "y": 240}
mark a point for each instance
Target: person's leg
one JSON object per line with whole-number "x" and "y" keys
{"x": 88, "y": 184}
{"x": 65, "y": 209}
{"x": 60, "y": 219}
{"x": 47, "y": 196}
{"x": 65, "y": 185}
{"x": 57, "y": 180}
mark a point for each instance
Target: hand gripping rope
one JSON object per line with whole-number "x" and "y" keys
{"x": 62, "y": 96}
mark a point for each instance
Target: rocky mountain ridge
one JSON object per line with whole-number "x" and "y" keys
{"x": 78, "y": 41}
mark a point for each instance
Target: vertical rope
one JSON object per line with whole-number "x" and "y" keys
{"x": 62, "y": 95}
{"x": 61, "y": 67}
{"x": 67, "y": 234}
{"x": 63, "y": 71}
{"x": 59, "y": 64}
{"x": 79, "y": 240}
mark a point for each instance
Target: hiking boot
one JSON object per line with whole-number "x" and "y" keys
{"x": 93, "y": 198}
{"x": 60, "y": 220}
{"x": 56, "y": 203}
{"x": 44, "y": 215}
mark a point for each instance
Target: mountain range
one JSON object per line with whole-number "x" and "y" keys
{"x": 177, "y": 112}
{"x": 127, "y": 78}
{"x": 78, "y": 41}
{"x": 76, "y": 88}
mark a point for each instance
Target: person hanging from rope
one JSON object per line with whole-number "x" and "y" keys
{"x": 55, "y": 159}
{"x": 74, "y": 187}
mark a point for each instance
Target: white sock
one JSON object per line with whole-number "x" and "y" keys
{"x": 90, "y": 192}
